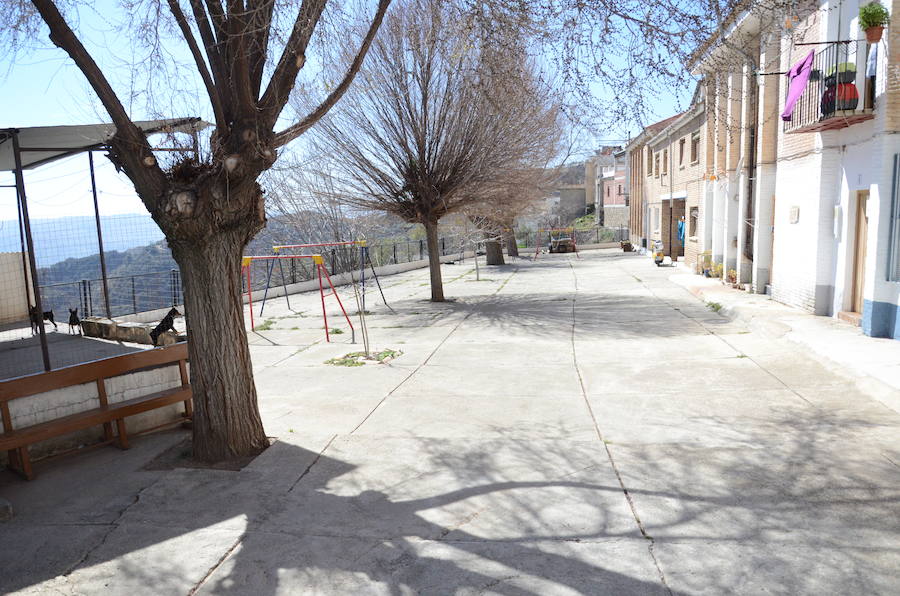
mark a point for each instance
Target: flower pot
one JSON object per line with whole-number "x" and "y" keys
{"x": 873, "y": 34}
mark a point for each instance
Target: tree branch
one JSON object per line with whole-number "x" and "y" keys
{"x": 295, "y": 130}
{"x": 211, "y": 89}
{"x": 211, "y": 43}
{"x": 292, "y": 59}
{"x": 129, "y": 141}
{"x": 261, "y": 23}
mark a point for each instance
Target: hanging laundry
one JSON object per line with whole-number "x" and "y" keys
{"x": 799, "y": 76}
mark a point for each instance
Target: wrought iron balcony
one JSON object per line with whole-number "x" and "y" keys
{"x": 838, "y": 94}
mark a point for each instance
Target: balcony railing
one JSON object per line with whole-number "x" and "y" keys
{"x": 838, "y": 94}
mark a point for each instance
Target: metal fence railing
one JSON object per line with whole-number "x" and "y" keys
{"x": 341, "y": 259}
{"x": 128, "y": 294}
{"x": 596, "y": 235}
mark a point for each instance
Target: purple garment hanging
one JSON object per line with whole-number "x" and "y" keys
{"x": 799, "y": 76}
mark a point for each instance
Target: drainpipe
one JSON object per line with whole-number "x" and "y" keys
{"x": 749, "y": 216}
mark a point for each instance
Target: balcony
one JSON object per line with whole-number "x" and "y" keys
{"x": 838, "y": 93}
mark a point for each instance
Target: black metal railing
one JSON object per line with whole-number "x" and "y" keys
{"x": 838, "y": 93}
{"x": 128, "y": 294}
{"x": 131, "y": 294}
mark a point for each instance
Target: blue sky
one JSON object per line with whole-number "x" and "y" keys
{"x": 45, "y": 88}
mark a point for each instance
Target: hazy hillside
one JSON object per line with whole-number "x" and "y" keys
{"x": 64, "y": 238}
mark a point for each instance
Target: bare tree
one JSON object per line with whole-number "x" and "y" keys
{"x": 433, "y": 122}
{"x": 514, "y": 193}
{"x": 248, "y": 56}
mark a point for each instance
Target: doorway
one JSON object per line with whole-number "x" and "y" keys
{"x": 860, "y": 234}
{"x": 673, "y": 214}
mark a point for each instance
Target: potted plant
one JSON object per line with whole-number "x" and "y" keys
{"x": 873, "y": 17}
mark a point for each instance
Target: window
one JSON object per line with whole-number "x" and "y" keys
{"x": 656, "y": 165}
{"x": 894, "y": 267}
{"x": 649, "y": 162}
{"x": 620, "y": 189}
{"x": 607, "y": 191}
{"x": 692, "y": 222}
{"x": 681, "y": 152}
{"x": 665, "y": 164}
{"x": 695, "y": 147}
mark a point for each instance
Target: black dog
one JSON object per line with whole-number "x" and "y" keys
{"x": 36, "y": 319}
{"x": 164, "y": 325}
{"x": 74, "y": 321}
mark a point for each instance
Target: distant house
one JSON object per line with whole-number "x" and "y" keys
{"x": 640, "y": 165}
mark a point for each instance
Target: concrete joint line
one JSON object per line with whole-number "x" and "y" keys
{"x": 214, "y": 568}
{"x": 314, "y": 462}
{"x": 433, "y": 352}
{"x": 609, "y": 455}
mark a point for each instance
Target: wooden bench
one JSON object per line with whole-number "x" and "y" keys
{"x": 15, "y": 441}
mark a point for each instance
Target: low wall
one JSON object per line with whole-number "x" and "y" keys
{"x": 345, "y": 278}
{"x": 55, "y": 404}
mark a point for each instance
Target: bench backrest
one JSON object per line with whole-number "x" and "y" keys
{"x": 95, "y": 371}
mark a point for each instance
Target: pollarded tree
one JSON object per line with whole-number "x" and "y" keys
{"x": 514, "y": 193}
{"x": 434, "y": 120}
{"x": 248, "y": 55}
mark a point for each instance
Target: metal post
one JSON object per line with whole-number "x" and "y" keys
{"x": 25, "y": 275}
{"x": 174, "y": 291}
{"x": 284, "y": 283}
{"x": 333, "y": 261}
{"x": 90, "y": 297}
{"x": 99, "y": 235}
{"x": 443, "y": 247}
{"x": 362, "y": 274}
{"x": 133, "y": 296}
{"x": 82, "y": 287}
{"x": 421, "y": 250}
{"x": 395, "y": 253}
{"x": 269, "y": 269}
{"x": 20, "y": 187}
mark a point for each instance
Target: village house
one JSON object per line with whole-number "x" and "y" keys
{"x": 639, "y": 165}
{"x": 801, "y": 200}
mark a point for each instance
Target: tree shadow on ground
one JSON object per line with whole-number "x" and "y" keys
{"x": 297, "y": 521}
{"x": 812, "y": 507}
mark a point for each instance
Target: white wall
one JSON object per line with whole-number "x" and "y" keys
{"x": 71, "y": 400}
{"x": 13, "y": 304}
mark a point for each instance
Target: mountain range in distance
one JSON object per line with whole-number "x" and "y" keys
{"x": 61, "y": 238}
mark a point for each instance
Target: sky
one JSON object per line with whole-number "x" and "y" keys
{"x": 45, "y": 88}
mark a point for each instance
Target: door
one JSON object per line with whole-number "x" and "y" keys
{"x": 676, "y": 215}
{"x": 859, "y": 251}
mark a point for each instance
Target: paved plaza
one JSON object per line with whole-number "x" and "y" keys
{"x": 564, "y": 426}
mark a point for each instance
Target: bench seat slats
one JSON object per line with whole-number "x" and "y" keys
{"x": 81, "y": 420}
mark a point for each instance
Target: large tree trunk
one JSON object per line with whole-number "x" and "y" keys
{"x": 493, "y": 252}
{"x": 434, "y": 261}
{"x": 512, "y": 247}
{"x": 227, "y": 424}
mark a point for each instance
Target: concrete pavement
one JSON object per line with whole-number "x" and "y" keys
{"x": 568, "y": 426}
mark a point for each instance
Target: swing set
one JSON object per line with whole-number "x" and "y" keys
{"x": 321, "y": 273}
{"x": 559, "y": 240}
{"x": 364, "y": 260}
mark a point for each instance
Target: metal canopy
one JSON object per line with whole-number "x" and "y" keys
{"x": 40, "y": 145}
